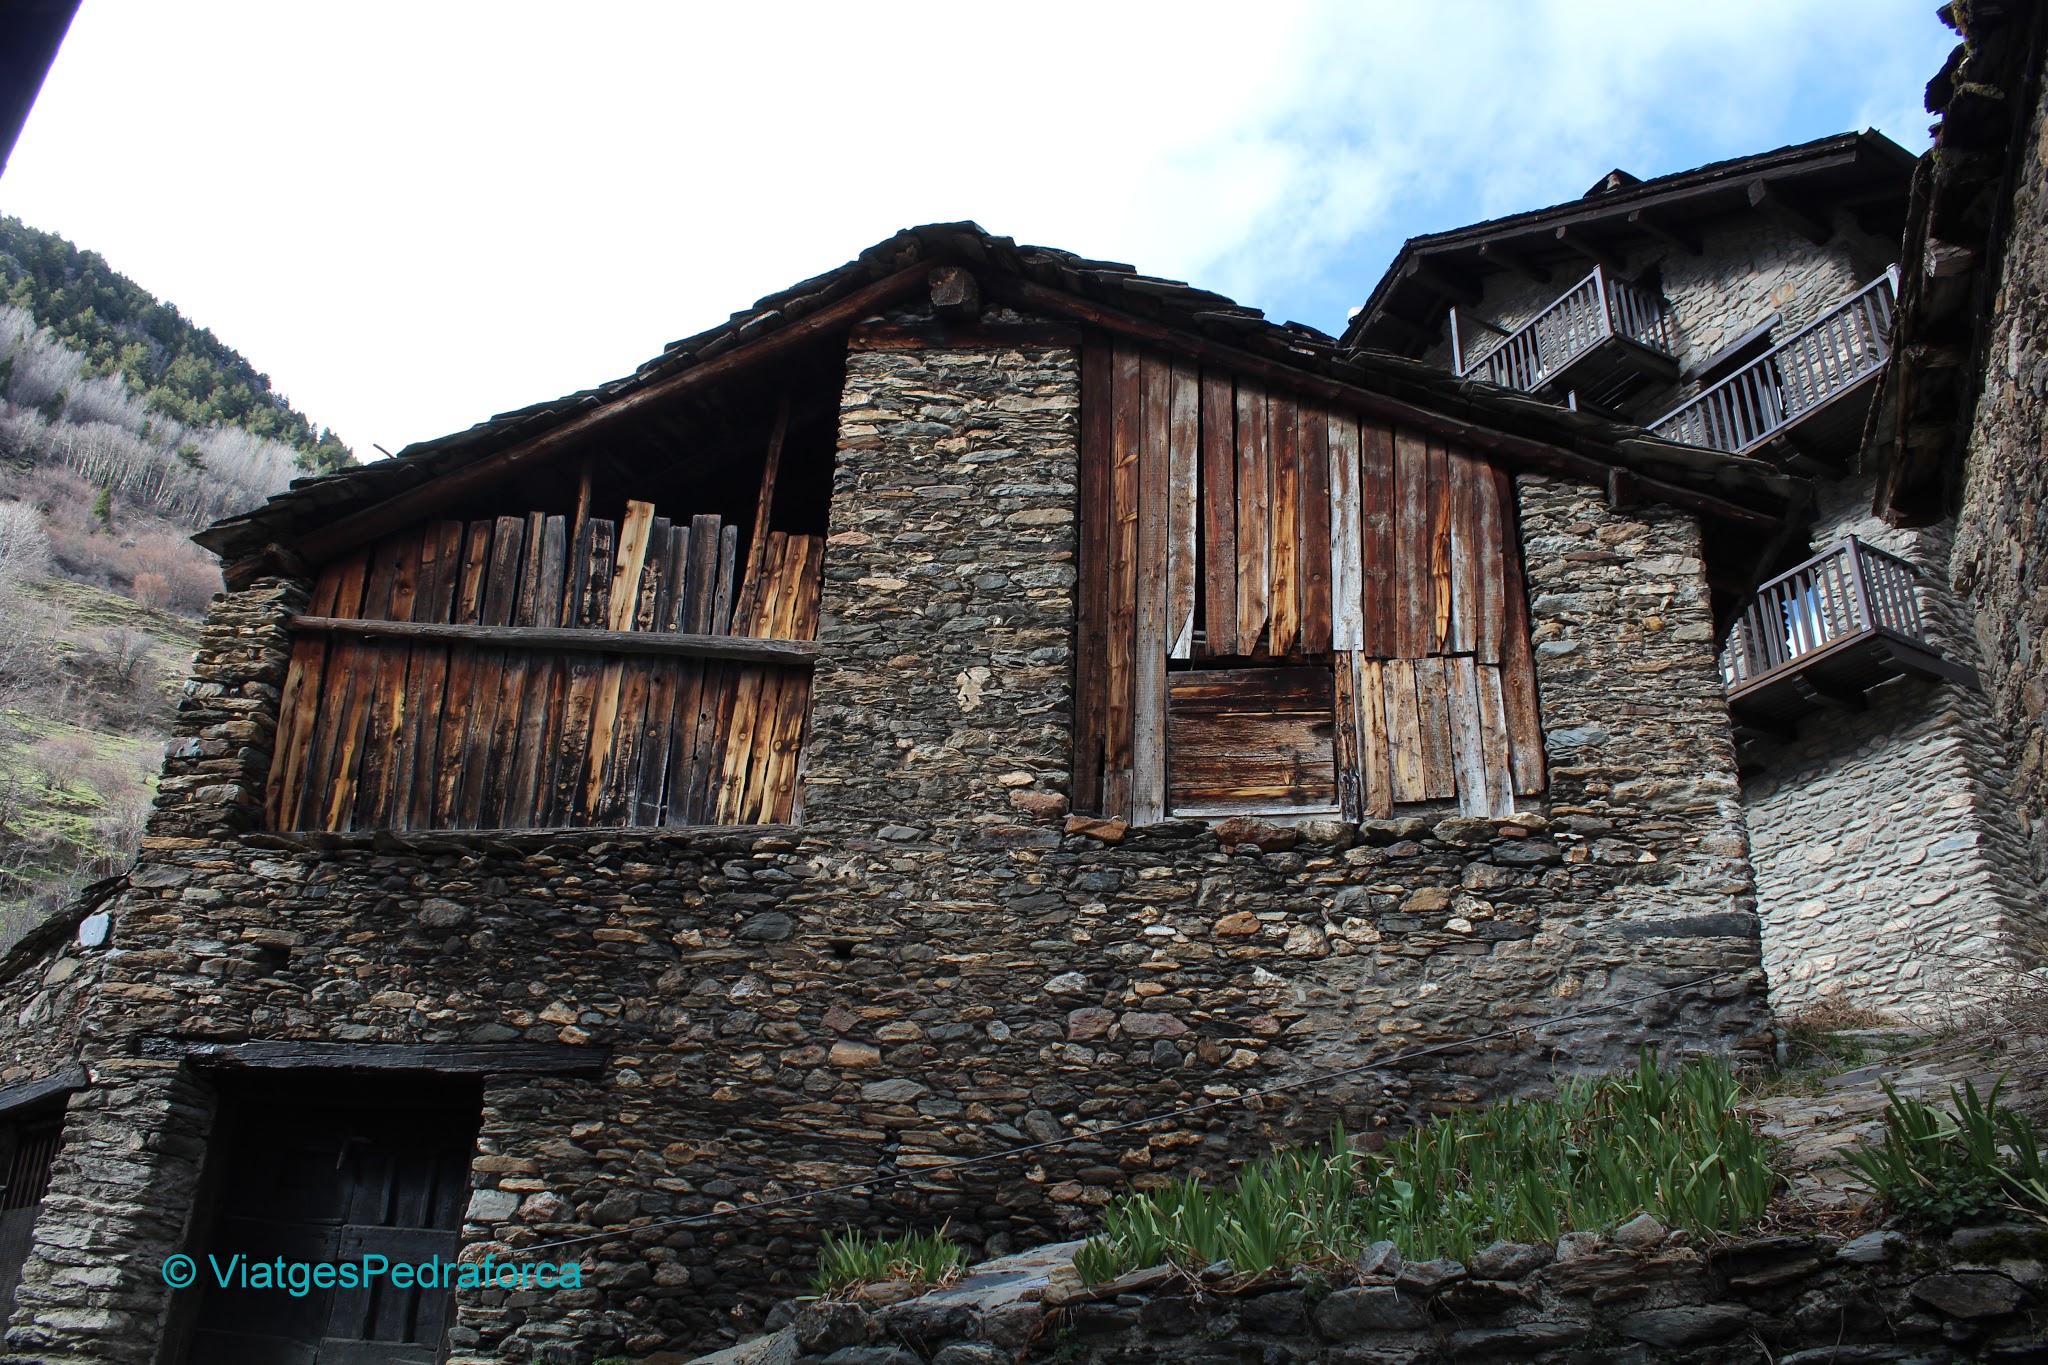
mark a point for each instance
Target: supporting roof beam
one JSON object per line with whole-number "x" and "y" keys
{"x": 437, "y": 492}
{"x": 1524, "y": 451}
{"x": 1666, "y": 232}
{"x": 1458, "y": 291}
{"x": 1496, "y": 254}
{"x": 1772, "y": 202}
{"x": 1576, "y": 239}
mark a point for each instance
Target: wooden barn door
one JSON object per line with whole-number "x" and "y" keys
{"x": 317, "y": 1180}
{"x": 1287, "y": 608}
{"x": 30, "y": 1146}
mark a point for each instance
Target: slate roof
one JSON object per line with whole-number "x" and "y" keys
{"x": 318, "y": 501}
{"x": 1860, "y": 166}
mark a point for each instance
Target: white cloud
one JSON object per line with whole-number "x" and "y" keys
{"x": 416, "y": 215}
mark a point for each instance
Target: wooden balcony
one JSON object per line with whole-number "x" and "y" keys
{"x": 1602, "y": 337}
{"x": 1823, "y": 634}
{"x": 1808, "y": 394}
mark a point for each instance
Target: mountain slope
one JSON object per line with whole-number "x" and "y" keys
{"x": 123, "y": 428}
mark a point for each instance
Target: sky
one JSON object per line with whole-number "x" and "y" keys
{"x": 415, "y": 215}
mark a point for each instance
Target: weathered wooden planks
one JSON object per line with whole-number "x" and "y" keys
{"x": 1347, "y": 569}
{"x": 1183, "y": 458}
{"x": 1312, "y": 528}
{"x": 1254, "y": 519}
{"x": 1228, "y": 519}
{"x": 1219, "y": 513}
{"x": 1518, "y": 651}
{"x": 1126, "y": 425}
{"x": 1433, "y": 718}
{"x": 1283, "y": 536}
{"x": 1253, "y": 739}
{"x": 437, "y": 681}
{"x": 1380, "y": 581}
{"x": 1152, "y": 629}
{"x": 1404, "y": 731}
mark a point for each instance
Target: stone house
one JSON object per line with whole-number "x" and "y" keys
{"x": 1957, "y": 432}
{"x": 970, "y": 699}
{"x": 1747, "y": 306}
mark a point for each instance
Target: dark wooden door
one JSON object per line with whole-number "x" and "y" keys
{"x": 30, "y": 1147}
{"x": 326, "y": 1183}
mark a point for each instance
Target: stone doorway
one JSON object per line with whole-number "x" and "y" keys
{"x": 310, "y": 1169}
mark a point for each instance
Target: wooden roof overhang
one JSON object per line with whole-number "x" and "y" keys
{"x": 1799, "y": 187}
{"x": 1751, "y": 509}
{"x": 1952, "y": 259}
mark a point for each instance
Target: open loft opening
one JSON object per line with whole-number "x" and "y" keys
{"x": 618, "y": 634}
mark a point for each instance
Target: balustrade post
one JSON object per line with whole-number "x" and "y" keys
{"x": 1852, "y": 547}
{"x": 1600, "y": 292}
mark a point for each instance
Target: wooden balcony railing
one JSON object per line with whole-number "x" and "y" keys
{"x": 1600, "y": 308}
{"x": 1826, "y": 631}
{"x": 1815, "y": 365}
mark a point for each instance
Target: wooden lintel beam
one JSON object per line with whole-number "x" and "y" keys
{"x": 1523, "y": 451}
{"x": 1496, "y": 254}
{"x": 942, "y": 336}
{"x": 430, "y": 497}
{"x": 1577, "y": 240}
{"x": 1771, "y": 202}
{"x": 23, "y": 1095}
{"x": 1427, "y": 275}
{"x": 1666, "y": 232}
{"x": 740, "y": 648}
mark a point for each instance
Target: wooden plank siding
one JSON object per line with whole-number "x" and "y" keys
{"x": 412, "y": 730}
{"x": 1236, "y": 539}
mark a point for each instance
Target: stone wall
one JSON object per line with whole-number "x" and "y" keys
{"x": 1888, "y": 860}
{"x": 931, "y": 967}
{"x": 1998, "y": 566}
{"x": 1638, "y": 1296}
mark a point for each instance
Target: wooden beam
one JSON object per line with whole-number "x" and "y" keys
{"x": 28, "y": 1094}
{"x": 1668, "y": 233}
{"x": 458, "y": 1059}
{"x": 377, "y": 520}
{"x": 272, "y": 561}
{"x": 1523, "y": 451}
{"x": 1496, "y": 254}
{"x": 751, "y": 586}
{"x": 1412, "y": 338}
{"x": 956, "y": 296}
{"x": 1577, "y": 240}
{"x": 743, "y": 648}
{"x": 941, "y": 336}
{"x": 1427, "y": 275}
{"x": 1772, "y": 202}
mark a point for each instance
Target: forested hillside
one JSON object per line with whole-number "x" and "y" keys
{"x": 123, "y": 428}
{"x": 178, "y": 369}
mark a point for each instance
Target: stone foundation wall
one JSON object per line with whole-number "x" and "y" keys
{"x": 1889, "y": 863}
{"x": 930, "y": 967}
{"x": 1980, "y": 1295}
{"x": 1998, "y": 566}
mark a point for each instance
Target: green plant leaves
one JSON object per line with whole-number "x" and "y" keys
{"x": 1669, "y": 1142}
{"x": 1941, "y": 1168}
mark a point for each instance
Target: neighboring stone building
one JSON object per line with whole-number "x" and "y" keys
{"x": 544, "y": 856}
{"x": 1747, "y": 306}
{"x": 1960, "y": 421}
